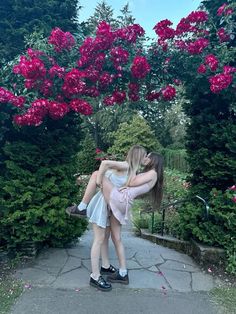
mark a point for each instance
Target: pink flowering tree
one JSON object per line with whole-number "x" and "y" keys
{"x": 200, "y": 53}
{"x": 51, "y": 89}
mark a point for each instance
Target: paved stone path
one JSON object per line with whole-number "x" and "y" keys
{"x": 58, "y": 281}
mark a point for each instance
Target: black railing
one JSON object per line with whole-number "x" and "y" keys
{"x": 163, "y": 208}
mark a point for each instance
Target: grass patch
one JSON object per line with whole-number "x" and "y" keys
{"x": 10, "y": 288}
{"x": 226, "y": 298}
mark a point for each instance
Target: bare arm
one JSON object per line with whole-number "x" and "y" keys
{"x": 110, "y": 164}
{"x": 143, "y": 178}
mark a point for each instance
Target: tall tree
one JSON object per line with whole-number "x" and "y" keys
{"x": 20, "y": 17}
{"x": 102, "y": 12}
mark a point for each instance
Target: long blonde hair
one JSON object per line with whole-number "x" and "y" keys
{"x": 134, "y": 158}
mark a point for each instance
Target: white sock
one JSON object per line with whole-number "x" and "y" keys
{"x": 82, "y": 206}
{"x": 94, "y": 276}
{"x": 123, "y": 272}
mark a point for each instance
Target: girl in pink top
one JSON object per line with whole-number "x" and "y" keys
{"x": 119, "y": 201}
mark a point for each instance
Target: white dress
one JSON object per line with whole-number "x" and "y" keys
{"x": 97, "y": 207}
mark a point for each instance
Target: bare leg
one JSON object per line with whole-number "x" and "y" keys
{"x": 90, "y": 189}
{"x": 104, "y": 249}
{"x": 116, "y": 238}
{"x": 99, "y": 235}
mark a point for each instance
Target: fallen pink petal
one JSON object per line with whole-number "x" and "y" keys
{"x": 28, "y": 286}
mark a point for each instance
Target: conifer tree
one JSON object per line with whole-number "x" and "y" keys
{"x": 20, "y": 18}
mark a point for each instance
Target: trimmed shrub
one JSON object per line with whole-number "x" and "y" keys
{"x": 137, "y": 132}
{"x": 37, "y": 184}
{"x": 86, "y": 156}
{"x": 220, "y": 227}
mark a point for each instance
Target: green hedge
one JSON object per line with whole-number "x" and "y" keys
{"x": 37, "y": 184}
{"x": 176, "y": 159}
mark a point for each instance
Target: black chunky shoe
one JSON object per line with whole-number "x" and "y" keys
{"x": 75, "y": 212}
{"x": 116, "y": 277}
{"x": 100, "y": 284}
{"x": 108, "y": 271}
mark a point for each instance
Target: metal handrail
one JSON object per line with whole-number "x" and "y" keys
{"x": 163, "y": 209}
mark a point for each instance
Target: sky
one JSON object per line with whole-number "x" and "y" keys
{"x": 146, "y": 12}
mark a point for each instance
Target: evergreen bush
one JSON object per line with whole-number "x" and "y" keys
{"x": 137, "y": 132}
{"x": 37, "y": 184}
{"x": 219, "y": 229}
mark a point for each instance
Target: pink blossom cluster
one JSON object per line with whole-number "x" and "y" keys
{"x": 56, "y": 70}
{"x": 39, "y": 109}
{"x": 212, "y": 62}
{"x": 153, "y": 95}
{"x": 222, "y": 35}
{"x": 233, "y": 189}
{"x": 140, "y": 67}
{"x": 32, "y": 69}
{"x": 163, "y": 29}
{"x": 224, "y": 9}
{"x": 8, "y": 97}
{"x": 130, "y": 33}
{"x": 197, "y": 17}
{"x": 61, "y": 40}
{"x": 105, "y": 80}
{"x": 194, "y": 23}
{"x": 81, "y": 106}
{"x": 220, "y": 81}
{"x": 73, "y": 83}
{"x": 167, "y": 93}
{"x": 197, "y": 46}
{"x": 117, "y": 97}
{"x": 133, "y": 91}
{"x": 119, "y": 56}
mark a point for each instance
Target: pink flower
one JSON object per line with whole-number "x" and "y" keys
{"x": 61, "y": 40}
{"x": 201, "y": 69}
{"x": 163, "y": 30}
{"x": 57, "y": 110}
{"x": 56, "y": 70}
{"x": 119, "y": 56}
{"x": 81, "y": 106}
{"x": 234, "y": 199}
{"x": 219, "y": 82}
{"x": 228, "y": 69}
{"x": 109, "y": 101}
{"x": 119, "y": 96}
{"x": 212, "y": 62}
{"x": 222, "y": 35}
{"x": 98, "y": 151}
{"x": 221, "y": 9}
{"x": 197, "y": 17}
{"x": 153, "y": 95}
{"x": 140, "y": 67}
{"x": 130, "y": 33}
{"x": 232, "y": 188}
{"x": 197, "y": 46}
{"x": 168, "y": 93}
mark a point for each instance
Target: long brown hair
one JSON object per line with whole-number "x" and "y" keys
{"x": 156, "y": 163}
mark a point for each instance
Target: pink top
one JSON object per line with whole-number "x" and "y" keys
{"x": 121, "y": 201}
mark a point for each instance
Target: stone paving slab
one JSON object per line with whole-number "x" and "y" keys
{"x": 145, "y": 260}
{"x": 179, "y": 281}
{"x": 118, "y": 301}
